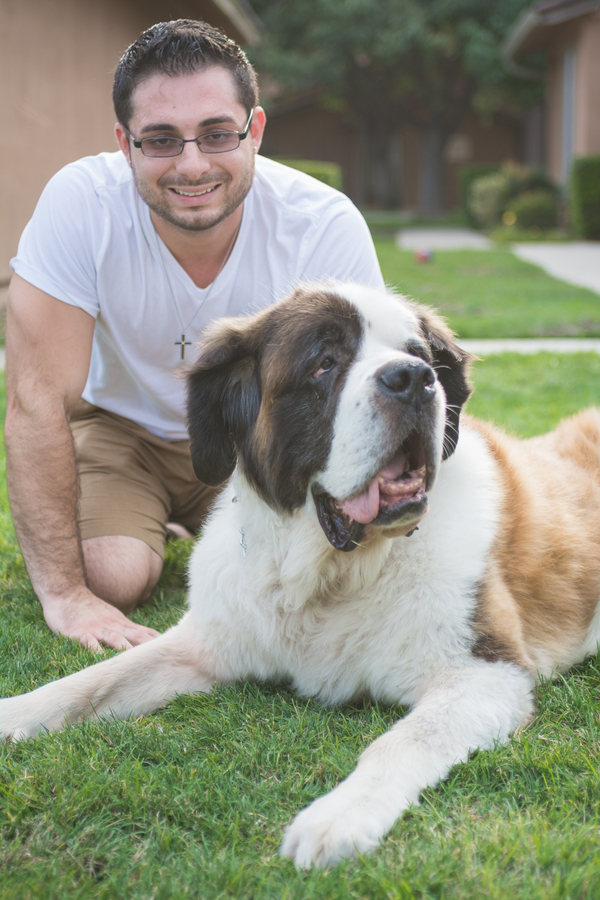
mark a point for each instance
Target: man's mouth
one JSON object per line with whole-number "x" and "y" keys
{"x": 396, "y": 492}
{"x": 183, "y": 193}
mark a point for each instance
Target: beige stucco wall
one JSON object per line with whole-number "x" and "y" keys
{"x": 583, "y": 35}
{"x": 563, "y": 38}
{"x": 57, "y": 59}
{"x": 587, "y": 116}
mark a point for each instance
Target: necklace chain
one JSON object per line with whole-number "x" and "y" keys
{"x": 183, "y": 343}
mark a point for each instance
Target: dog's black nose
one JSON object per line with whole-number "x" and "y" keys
{"x": 408, "y": 381}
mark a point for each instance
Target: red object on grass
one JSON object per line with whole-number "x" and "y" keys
{"x": 424, "y": 255}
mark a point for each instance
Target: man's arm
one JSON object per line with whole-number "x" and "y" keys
{"x": 48, "y": 349}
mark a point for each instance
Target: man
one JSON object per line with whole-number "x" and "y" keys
{"x": 127, "y": 258}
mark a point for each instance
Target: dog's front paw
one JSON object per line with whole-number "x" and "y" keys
{"x": 335, "y": 827}
{"x": 14, "y": 724}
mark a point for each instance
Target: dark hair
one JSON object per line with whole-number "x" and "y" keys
{"x": 180, "y": 47}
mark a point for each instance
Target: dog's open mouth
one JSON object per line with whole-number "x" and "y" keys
{"x": 395, "y": 492}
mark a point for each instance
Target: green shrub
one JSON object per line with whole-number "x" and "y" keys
{"x": 534, "y": 209}
{"x": 585, "y": 196}
{"x": 522, "y": 178}
{"x": 466, "y": 176}
{"x": 328, "y": 172}
{"x": 487, "y": 200}
{"x": 491, "y": 194}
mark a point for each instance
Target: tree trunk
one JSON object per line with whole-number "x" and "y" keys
{"x": 431, "y": 186}
{"x": 380, "y": 178}
{"x": 379, "y": 193}
{"x": 362, "y": 164}
{"x": 396, "y": 169}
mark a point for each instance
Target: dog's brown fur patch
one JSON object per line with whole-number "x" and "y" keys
{"x": 543, "y": 580}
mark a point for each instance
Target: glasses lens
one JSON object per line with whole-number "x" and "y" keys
{"x": 162, "y": 146}
{"x": 219, "y": 141}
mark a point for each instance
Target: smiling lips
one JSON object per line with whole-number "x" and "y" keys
{"x": 181, "y": 193}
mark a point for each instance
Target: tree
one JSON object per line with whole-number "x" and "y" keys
{"x": 391, "y": 63}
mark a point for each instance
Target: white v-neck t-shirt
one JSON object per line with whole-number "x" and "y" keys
{"x": 91, "y": 243}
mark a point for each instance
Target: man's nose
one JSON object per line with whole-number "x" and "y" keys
{"x": 192, "y": 162}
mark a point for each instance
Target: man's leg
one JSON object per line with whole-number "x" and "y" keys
{"x": 121, "y": 570}
{"x": 130, "y": 483}
{"x": 123, "y": 505}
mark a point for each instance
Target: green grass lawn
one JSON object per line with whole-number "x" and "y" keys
{"x": 191, "y": 802}
{"x": 491, "y": 293}
{"x": 531, "y": 394}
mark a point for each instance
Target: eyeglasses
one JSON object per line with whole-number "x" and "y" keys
{"x": 164, "y": 145}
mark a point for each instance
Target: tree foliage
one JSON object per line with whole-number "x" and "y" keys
{"x": 390, "y": 63}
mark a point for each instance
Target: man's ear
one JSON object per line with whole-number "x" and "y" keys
{"x": 259, "y": 120}
{"x": 123, "y": 141}
{"x": 451, "y": 366}
{"x": 223, "y": 400}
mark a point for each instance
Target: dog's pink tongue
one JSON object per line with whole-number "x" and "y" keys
{"x": 365, "y": 507}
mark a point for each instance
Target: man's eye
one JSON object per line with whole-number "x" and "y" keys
{"x": 162, "y": 142}
{"x": 327, "y": 365}
{"x": 216, "y": 137}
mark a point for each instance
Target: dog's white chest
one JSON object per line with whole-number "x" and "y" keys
{"x": 380, "y": 620}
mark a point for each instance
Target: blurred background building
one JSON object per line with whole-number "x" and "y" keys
{"x": 568, "y": 33}
{"x": 304, "y": 127}
{"x": 57, "y": 60}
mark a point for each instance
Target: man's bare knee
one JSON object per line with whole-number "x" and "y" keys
{"x": 121, "y": 570}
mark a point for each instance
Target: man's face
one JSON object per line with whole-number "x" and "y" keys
{"x": 194, "y": 191}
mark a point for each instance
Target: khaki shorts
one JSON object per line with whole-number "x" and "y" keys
{"x": 131, "y": 482}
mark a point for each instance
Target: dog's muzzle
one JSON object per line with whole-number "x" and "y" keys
{"x": 396, "y": 492}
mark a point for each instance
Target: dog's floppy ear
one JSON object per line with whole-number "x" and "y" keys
{"x": 223, "y": 398}
{"x": 451, "y": 366}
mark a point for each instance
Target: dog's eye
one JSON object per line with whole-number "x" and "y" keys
{"x": 327, "y": 364}
{"x": 418, "y": 350}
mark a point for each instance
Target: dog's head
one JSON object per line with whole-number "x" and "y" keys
{"x": 341, "y": 393}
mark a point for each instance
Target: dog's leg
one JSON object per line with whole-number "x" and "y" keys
{"x": 137, "y": 681}
{"x": 464, "y": 710}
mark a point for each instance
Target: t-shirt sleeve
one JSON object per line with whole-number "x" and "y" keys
{"x": 58, "y": 247}
{"x": 343, "y": 249}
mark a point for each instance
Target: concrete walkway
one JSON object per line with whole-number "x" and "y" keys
{"x": 577, "y": 262}
{"x": 441, "y": 239}
{"x": 487, "y": 347}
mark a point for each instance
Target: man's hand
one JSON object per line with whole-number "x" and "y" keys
{"x": 95, "y": 623}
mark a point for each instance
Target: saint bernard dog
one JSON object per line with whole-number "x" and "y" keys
{"x": 364, "y": 546}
